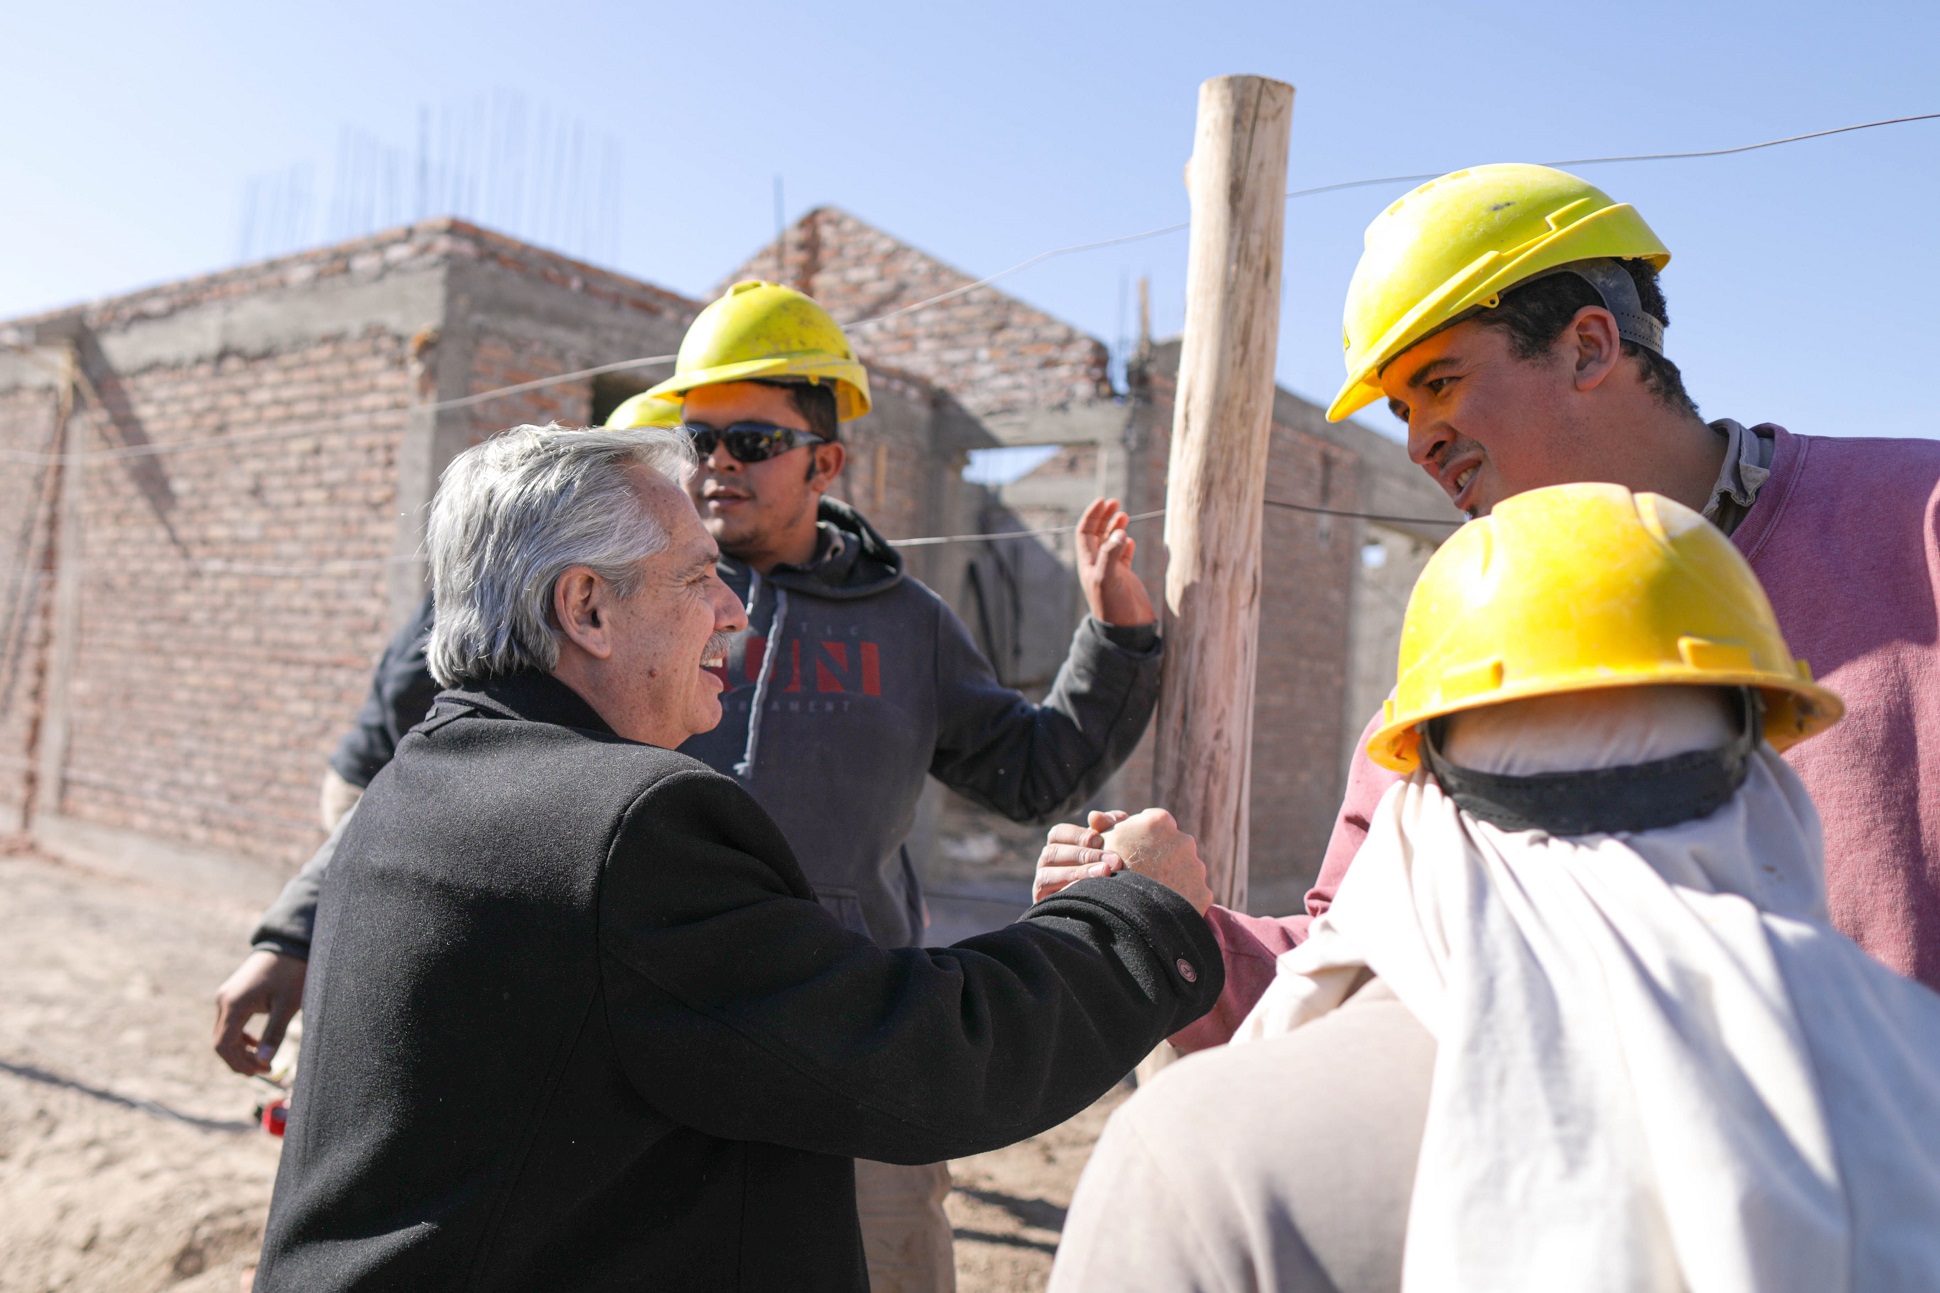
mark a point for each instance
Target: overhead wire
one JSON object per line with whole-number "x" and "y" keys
{"x": 1451, "y": 522}
{"x": 219, "y": 566}
{"x": 481, "y": 397}
{"x": 936, "y": 539}
{"x": 1627, "y": 157}
{"x": 1136, "y": 518}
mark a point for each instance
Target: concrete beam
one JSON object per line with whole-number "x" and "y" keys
{"x": 277, "y": 319}
{"x": 555, "y": 315}
{"x": 1098, "y": 422}
{"x": 31, "y": 365}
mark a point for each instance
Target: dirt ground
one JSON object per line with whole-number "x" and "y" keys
{"x": 129, "y": 1160}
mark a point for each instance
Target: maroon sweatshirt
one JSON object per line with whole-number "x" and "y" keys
{"x": 1845, "y": 536}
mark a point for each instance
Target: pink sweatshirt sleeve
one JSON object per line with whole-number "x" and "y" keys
{"x": 1251, "y": 944}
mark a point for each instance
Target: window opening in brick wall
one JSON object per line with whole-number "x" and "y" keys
{"x": 610, "y": 390}
{"x": 1007, "y": 463}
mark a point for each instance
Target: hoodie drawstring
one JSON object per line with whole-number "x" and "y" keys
{"x": 745, "y": 768}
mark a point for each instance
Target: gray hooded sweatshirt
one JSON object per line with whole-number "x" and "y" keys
{"x": 833, "y": 719}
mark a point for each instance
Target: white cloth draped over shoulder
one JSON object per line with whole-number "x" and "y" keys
{"x": 1658, "y": 1067}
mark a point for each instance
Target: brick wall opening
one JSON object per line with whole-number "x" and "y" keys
{"x": 610, "y": 390}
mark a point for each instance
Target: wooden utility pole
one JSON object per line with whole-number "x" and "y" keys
{"x": 1216, "y": 475}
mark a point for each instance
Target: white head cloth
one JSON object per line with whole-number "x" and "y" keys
{"x": 1658, "y": 1067}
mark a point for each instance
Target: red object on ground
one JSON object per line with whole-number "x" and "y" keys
{"x": 275, "y": 1115}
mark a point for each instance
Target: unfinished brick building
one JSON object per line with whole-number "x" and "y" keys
{"x": 213, "y": 494}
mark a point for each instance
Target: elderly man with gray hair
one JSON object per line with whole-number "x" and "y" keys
{"x": 577, "y": 1021}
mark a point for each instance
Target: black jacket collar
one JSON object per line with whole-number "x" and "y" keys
{"x": 530, "y": 695}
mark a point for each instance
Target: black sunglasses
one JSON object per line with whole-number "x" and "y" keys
{"x": 748, "y": 441}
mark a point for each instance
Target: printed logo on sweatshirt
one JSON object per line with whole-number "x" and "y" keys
{"x": 844, "y": 668}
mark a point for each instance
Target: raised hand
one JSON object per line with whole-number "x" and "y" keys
{"x": 1113, "y": 590}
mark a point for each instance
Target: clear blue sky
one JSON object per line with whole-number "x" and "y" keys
{"x": 1802, "y": 289}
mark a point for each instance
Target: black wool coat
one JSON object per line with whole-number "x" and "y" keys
{"x": 575, "y": 1021}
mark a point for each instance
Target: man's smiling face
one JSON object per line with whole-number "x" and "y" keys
{"x": 670, "y": 635}
{"x": 1485, "y": 423}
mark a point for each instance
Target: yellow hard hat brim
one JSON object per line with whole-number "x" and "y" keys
{"x": 759, "y": 331}
{"x": 1795, "y": 708}
{"x": 849, "y": 380}
{"x": 1587, "y": 587}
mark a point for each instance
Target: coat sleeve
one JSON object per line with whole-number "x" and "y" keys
{"x": 1251, "y": 944}
{"x": 289, "y": 924}
{"x": 739, "y": 1007}
{"x": 401, "y": 691}
{"x": 1024, "y": 760}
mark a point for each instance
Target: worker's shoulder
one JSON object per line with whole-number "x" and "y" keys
{"x": 905, "y": 590}
{"x": 1869, "y": 489}
{"x": 1871, "y": 460}
{"x": 1370, "y": 1060}
{"x": 907, "y": 607}
{"x": 919, "y": 597}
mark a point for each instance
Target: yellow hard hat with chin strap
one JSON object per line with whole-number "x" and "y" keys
{"x": 1455, "y": 244}
{"x": 1581, "y": 587}
{"x": 766, "y": 332}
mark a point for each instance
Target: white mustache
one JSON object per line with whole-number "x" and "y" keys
{"x": 715, "y": 652}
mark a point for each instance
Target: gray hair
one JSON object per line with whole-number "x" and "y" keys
{"x": 512, "y": 515}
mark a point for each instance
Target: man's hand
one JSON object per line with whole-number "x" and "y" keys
{"x": 1113, "y": 591}
{"x": 1152, "y": 844}
{"x": 267, "y": 983}
{"x": 1071, "y": 853}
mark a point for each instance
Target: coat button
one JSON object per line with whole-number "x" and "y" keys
{"x": 1186, "y": 971}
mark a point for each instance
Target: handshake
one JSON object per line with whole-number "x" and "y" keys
{"x": 1149, "y": 843}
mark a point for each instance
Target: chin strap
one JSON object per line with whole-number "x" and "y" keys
{"x": 1612, "y": 283}
{"x": 1605, "y": 801}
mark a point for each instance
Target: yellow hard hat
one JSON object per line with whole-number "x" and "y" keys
{"x": 1580, "y": 587}
{"x": 763, "y": 331}
{"x": 1457, "y": 243}
{"x": 644, "y": 410}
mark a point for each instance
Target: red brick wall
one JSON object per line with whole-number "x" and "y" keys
{"x": 27, "y": 426}
{"x": 232, "y": 599}
{"x": 508, "y": 350}
{"x": 989, "y": 350}
{"x": 499, "y": 361}
{"x": 890, "y": 473}
{"x": 1305, "y": 579}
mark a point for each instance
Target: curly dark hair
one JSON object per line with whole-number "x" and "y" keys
{"x": 1536, "y": 314}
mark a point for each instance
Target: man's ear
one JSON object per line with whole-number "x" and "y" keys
{"x": 582, "y": 605}
{"x": 1595, "y": 346}
{"x": 825, "y": 464}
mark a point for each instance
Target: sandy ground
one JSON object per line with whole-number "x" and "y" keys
{"x": 1008, "y": 1208}
{"x": 129, "y": 1160}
